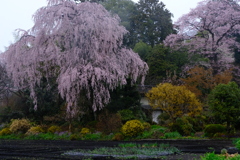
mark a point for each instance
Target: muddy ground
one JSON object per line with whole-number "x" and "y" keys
{"x": 52, "y": 150}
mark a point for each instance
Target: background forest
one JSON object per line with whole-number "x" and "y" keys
{"x": 82, "y": 64}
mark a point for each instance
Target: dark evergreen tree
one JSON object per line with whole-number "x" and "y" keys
{"x": 126, "y": 10}
{"x": 124, "y": 98}
{"x": 142, "y": 49}
{"x": 162, "y": 60}
{"x": 152, "y": 23}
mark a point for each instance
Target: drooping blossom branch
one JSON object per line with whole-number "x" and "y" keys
{"x": 81, "y": 46}
{"x": 209, "y": 30}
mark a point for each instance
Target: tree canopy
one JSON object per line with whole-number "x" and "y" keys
{"x": 80, "y": 45}
{"x": 152, "y": 22}
{"x": 224, "y": 103}
{"x": 208, "y": 30}
{"x": 176, "y": 101}
{"x": 5, "y": 81}
{"x": 126, "y": 10}
{"x": 201, "y": 81}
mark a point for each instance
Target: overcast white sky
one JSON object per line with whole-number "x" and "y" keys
{"x": 16, "y": 14}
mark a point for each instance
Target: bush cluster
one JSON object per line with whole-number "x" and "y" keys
{"x": 126, "y": 115}
{"x": 211, "y": 129}
{"x": 238, "y": 144}
{"x": 182, "y": 126}
{"x": 5, "y": 131}
{"x": 35, "y": 130}
{"x": 20, "y": 125}
{"x": 147, "y": 126}
{"x": 172, "y": 135}
{"x": 54, "y": 129}
{"x": 109, "y": 122}
{"x": 118, "y": 137}
{"x": 132, "y": 128}
{"x": 85, "y": 131}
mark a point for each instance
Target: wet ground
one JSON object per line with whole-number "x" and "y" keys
{"x": 53, "y": 150}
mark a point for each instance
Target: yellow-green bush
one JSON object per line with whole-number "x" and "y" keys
{"x": 219, "y": 135}
{"x": 20, "y": 125}
{"x": 75, "y": 137}
{"x": 35, "y": 130}
{"x": 147, "y": 126}
{"x": 85, "y": 131}
{"x": 54, "y": 129}
{"x": 5, "y": 131}
{"x": 132, "y": 128}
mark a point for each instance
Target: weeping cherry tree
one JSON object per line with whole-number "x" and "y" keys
{"x": 4, "y": 80}
{"x": 80, "y": 44}
{"x": 210, "y": 30}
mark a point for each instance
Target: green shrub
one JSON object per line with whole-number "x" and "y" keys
{"x": 132, "y": 128}
{"x": 91, "y": 124}
{"x": 5, "y": 131}
{"x": 145, "y": 135}
{"x": 35, "y": 130}
{"x": 172, "y": 135}
{"x": 54, "y": 129}
{"x": 75, "y": 137}
{"x": 163, "y": 119}
{"x": 12, "y": 136}
{"x": 213, "y": 156}
{"x": 109, "y": 122}
{"x": 182, "y": 126}
{"x": 20, "y": 125}
{"x": 220, "y": 135}
{"x": 45, "y": 136}
{"x": 93, "y": 136}
{"x": 126, "y": 115}
{"x": 147, "y": 126}
{"x": 211, "y": 129}
{"x": 118, "y": 137}
{"x": 155, "y": 132}
{"x": 238, "y": 144}
{"x": 157, "y": 127}
{"x": 197, "y": 122}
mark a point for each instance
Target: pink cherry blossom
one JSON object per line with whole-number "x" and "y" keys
{"x": 81, "y": 46}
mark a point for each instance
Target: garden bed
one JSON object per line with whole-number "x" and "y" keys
{"x": 54, "y": 149}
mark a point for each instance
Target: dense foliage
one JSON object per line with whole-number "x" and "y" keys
{"x": 20, "y": 125}
{"x": 161, "y": 61}
{"x": 132, "y": 128}
{"x": 211, "y": 129}
{"x": 75, "y": 79}
{"x": 176, "y": 101}
{"x": 80, "y": 45}
{"x": 5, "y": 81}
{"x": 201, "y": 81}
{"x": 208, "y": 30}
{"x": 224, "y": 103}
{"x": 152, "y": 22}
{"x": 147, "y": 21}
